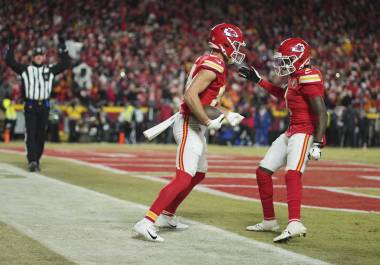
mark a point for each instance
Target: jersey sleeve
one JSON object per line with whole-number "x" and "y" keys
{"x": 62, "y": 65}
{"x": 311, "y": 83}
{"x": 272, "y": 89}
{"x": 213, "y": 65}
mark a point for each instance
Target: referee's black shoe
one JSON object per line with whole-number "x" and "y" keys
{"x": 33, "y": 166}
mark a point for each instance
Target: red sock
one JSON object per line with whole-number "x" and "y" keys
{"x": 264, "y": 181}
{"x": 168, "y": 193}
{"x": 171, "y": 209}
{"x": 294, "y": 194}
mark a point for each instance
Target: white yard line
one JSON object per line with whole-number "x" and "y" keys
{"x": 88, "y": 227}
{"x": 370, "y": 177}
{"x": 352, "y": 193}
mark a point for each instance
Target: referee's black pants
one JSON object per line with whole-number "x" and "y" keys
{"x": 36, "y": 121}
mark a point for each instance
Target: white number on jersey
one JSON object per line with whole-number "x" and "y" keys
{"x": 218, "y": 97}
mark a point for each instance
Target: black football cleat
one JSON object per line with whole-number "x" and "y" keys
{"x": 33, "y": 166}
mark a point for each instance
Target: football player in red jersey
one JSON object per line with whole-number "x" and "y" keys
{"x": 205, "y": 86}
{"x": 303, "y": 95}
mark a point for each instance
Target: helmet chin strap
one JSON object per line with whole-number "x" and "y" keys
{"x": 306, "y": 62}
{"x": 223, "y": 50}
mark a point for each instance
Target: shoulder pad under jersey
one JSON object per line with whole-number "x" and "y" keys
{"x": 310, "y": 76}
{"x": 213, "y": 62}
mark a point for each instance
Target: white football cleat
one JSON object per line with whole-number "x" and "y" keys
{"x": 172, "y": 222}
{"x": 293, "y": 229}
{"x": 146, "y": 228}
{"x": 265, "y": 226}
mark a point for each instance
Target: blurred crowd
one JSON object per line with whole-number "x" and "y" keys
{"x": 136, "y": 54}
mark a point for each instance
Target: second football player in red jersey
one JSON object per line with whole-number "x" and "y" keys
{"x": 205, "y": 86}
{"x": 303, "y": 139}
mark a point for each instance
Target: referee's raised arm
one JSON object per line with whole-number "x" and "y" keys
{"x": 10, "y": 58}
{"x": 64, "y": 57}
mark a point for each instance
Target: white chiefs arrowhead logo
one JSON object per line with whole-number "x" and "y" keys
{"x": 229, "y": 32}
{"x": 298, "y": 48}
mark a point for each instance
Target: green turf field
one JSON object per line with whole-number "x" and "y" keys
{"x": 16, "y": 249}
{"x": 336, "y": 237}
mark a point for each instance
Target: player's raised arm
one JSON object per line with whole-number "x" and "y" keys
{"x": 254, "y": 76}
{"x": 200, "y": 82}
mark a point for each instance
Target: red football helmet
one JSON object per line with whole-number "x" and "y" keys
{"x": 292, "y": 55}
{"x": 228, "y": 39}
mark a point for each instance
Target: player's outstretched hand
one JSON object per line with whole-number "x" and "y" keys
{"x": 250, "y": 73}
{"x": 315, "y": 152}
{"x": 234, "y": 118}
{"x": 215, "y": 123}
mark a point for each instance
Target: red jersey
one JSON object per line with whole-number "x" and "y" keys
{"x": 302, "y": 85}
{"x": 212, "y": 94}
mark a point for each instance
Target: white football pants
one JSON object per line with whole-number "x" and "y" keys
{"x": 189, "y": 134}
{"x": 290, "y": 151}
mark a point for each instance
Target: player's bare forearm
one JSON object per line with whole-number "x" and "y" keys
{"x": 319, "y": 108}
{"x": 194, "y": 103}
{"x": 191, "y": 97}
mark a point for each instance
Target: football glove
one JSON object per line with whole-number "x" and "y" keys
{"x": 215, "y": 124}
{"x": 315, "y": 151}
{"x": 250, "y": 74}
{"x": 62, "y": 47}
{"x": 234, "y": 118}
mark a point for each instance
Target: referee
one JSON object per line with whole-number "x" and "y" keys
{"x": 37, "y": 80}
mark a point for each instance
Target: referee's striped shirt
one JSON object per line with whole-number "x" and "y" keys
{"x": 37, "y": 79}
{"x": 38, "y": 82}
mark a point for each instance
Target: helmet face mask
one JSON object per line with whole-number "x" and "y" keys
{"x": 284, "y": 64}
{"x": 236, "y": 55}
{"x": 292, "y": 55}
{"x": 227, "y": 39}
